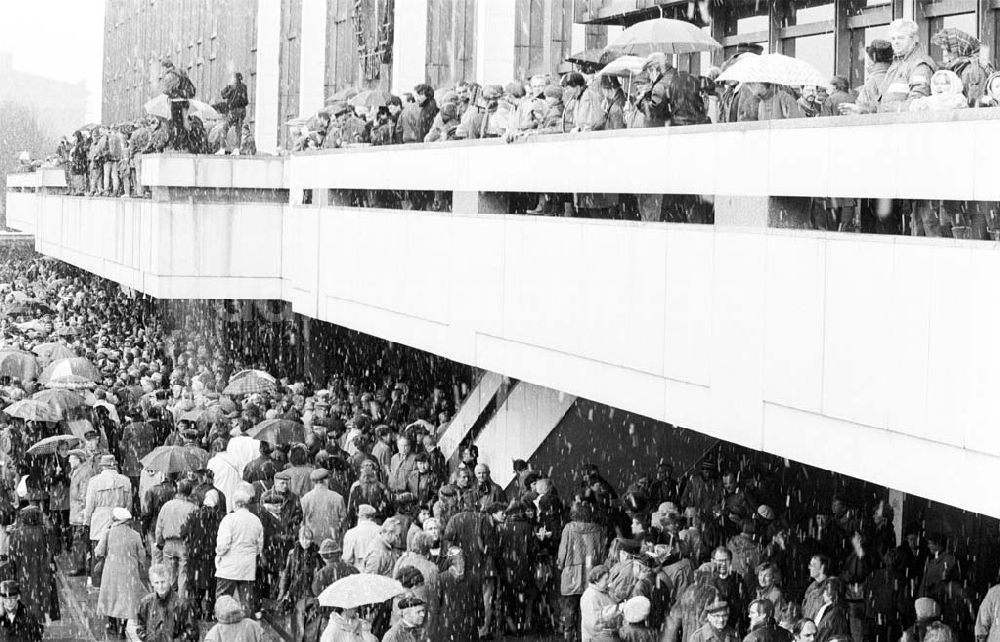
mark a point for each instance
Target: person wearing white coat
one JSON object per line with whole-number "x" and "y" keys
{"x": 239, "y": 543}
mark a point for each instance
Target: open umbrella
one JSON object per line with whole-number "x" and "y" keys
{"x": 71, "y": 382}
{"x": 33, "y": 410}
{"x": 28, "y": 326}
{"x": 49, "y": 445}
{"x": 67, "y": 331}
{"x": 370, "y": 98}
{"x": 201, "y": 415}
{"x": 343, "y": 95}
{"x": 52, "y": 351}
{"x": 278, "y": 431}
{"x": 663, "y": 35}
{"x": 70, "y": 372}
{"x": 175, "y": 459}
{"x": 112, "y": 411}
{"x": 160, "y": 106}
{"x": 61, "y": 400}
{"x": 359, "y": 589}
{"x": 247, "y": 382}
{"x": 586, "y": 57}
{"x": 624, "y": 66}
{"x": 19, "y": 364}
{"x": 777, "y": 69}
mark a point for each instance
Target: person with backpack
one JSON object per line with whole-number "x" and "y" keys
{"x": 179, "y": 89}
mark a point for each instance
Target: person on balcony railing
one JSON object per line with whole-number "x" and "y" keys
{"x": 909, "y": 75}
{"x": 417, "y": 118}
{"x": 960, "y": 54}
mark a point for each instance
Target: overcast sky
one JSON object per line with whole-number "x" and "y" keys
{"x": 59, "y": 39}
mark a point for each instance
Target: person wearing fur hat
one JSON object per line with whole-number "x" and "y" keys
{"x": 635, "y": 628}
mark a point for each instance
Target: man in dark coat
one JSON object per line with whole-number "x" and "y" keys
{"x": 260, "y": 469}
{"x": 763, "y": 628}
{"x": 162, "y": 616}
{"x": 16, "y": 623}
{"x": 137, "y": 440}
{"x": 156, "y": 497}
{"x": 199, "y": 533}
{"x": 334, "y": 569}
{"x": 32, "y": 555}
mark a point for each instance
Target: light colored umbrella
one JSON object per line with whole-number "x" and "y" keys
{"x": 160, "y": 106}
{"x": 67, "y": 331}
{"x": 278, "y": 431}
{"x": 52, "y": 351}
{"x": 201, "y": 415}
{"x": 663, "y": 35}
{"x": 624, "y": 66}
{"x": 343, "y": 95}
{"x": 370, "y": 98}
{"x": 28, "y": 326}
{"x": 175, "y": 459}
{"x": 359, "y": 589}
{"x": 112, "y": 411}
{"x": 61, "y": 400}
{"x": 777, "y": 69}
{"x": 78, "y": 367}
{"x": 19, "y": 364}
{"x": 33, "y": 410}
{"x": 247, "y": 382}
{"x": 586, "y": 57}
{"x": 49, "y": 445}
{"x": 71, "y": 382}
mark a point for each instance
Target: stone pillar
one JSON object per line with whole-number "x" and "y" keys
{"x": 312, "y": 65}
{"x": 495, "y": 27}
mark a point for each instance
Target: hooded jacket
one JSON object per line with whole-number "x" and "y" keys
{"x": 231, "y": 625}
{"x": 581, "y": 548}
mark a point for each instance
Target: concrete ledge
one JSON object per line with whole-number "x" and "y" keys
{"x": 208, "y": 171}
{"x": 37, "y": 179}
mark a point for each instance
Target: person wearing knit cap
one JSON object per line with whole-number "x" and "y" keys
{"x": 716, "y": 627}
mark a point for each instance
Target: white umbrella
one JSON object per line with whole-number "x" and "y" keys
{"x": 359, "y": 589}
{"x": 776, "y": 69}
{"x": 663, "y": 35}
{"x": 624, "y": 66}
{"x": 160, "y": 106}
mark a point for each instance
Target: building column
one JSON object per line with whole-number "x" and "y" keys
{"x": 409, "y": 45}
{"x": 312, "y": 65}
{"x": 495, "y": 27}
{"x": 266, "y": 93}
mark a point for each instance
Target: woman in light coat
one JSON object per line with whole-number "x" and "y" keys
{"x": 122, "y": 583}
{"x": 239, "y": 542}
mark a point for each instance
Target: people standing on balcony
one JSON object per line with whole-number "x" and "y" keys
{"x": 839, "y": 93}
{"x": 116, "y": 143}
{"x": 777, "y": 102}
{"x": 947, "y": 93}
{"x": 79, "y": 162}
{"x": 417, "y": 118}
{"x": 960, "y": 54}
{"x": 908, "y": 76}
{"x": 737, "y": 103}
{"x": 236, "y": 100}
{"x": 96, "y": 156}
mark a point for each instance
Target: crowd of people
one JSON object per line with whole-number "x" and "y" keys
{"x": 261, "y": 528}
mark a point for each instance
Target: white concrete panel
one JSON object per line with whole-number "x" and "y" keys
{"x": 785, "y": 171}
{"x": 850, "y": 172}
{"x": 949, "y": 346}
{"x": 795, "y": 325}
{"x": 936, "y": 180}
{"x": 736, "y": 350}
{"x": 473, "y": 406}
{"x": 858, "y": 287}
{"x": 982, "y": 411}
{"x": 519, "y": 427}
{"x": 409, "y": 46}
{"x": 687, "y": 303}
{"x": 265, "y": 115}
{"x": 312, "y": 65}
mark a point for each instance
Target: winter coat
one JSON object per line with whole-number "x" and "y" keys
{"x": 105, "y": 492}
{"x": 57, "y": 476}
{"x": 973, "y": 74}
{"x": 400, "y": 468}
{"x": 402, "y": 633}
{"x": 636, "y": 633}
{"x": 24, "y": 627}
{"x": 834, "y": 623}
{"x": 598, "y": 615}
{"x": 122, "y": 584}
{"x": 416, "y": 122}
{"x": 78, "y": 479}
{"x": 474, "y": 534}
{"x": 342, "y": 630}
{"x": 31, "y": 553}
{"x": 232, "y": 626}
{"x": 380, "y": 558}
{"x": 423, "y": 485}
{"x": 768, "y": 632}
{"x": 371, "y": 492}
{"x": 429, "y": 592}
{"x": 200, "y": 534}
{"x": 301, "y": 564}
{"x": 324, "y": 513}
{"x": 581, "y": 548}
{"x": 688, "y": 611}
{"x": 517, "y": 557}
{"x": 329, "y": 574}
{"x": 240, "y": 541}
{"x": 988, "y": 619}
{"x": 166, "y": 619}
{"x": 908, "y": 78}
{"x": 779, "y": 104}
{"x": 359, "y": 541}
{"x": 138, "y": 440}
{"x": 709, "y": 634}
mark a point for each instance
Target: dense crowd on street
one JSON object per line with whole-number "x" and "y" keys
{"x": 272, "y": 493}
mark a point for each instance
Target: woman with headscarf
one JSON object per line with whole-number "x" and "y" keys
{"x": 35, "y": 566}
{"x": 960, "y": 54}
{"x": 947, "y": 93}
{"x": 122, "y": 585}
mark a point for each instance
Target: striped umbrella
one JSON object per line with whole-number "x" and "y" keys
{"x": 70, "y": 372}
{"x": 71, "y": 382}
{"x": 247, "y": 382}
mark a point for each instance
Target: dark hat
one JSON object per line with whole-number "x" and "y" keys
{"x": 448, "y": 491}
{"x": 329, "y": 548}
{"x": 284, "y": 474}
{"x": 717, "y": 606}
{"x": 271, "y": 497}
{"x": 10, "y": 588}
{"x": 91, "y": 434}
{"x": 554, "y": 91}
{"x": 108, "y": 461}
{"x": 319, "y": 474}
{"x": 706, "y": 464}
{"x": 409, "y": 602}
{"x": 749, "y": 47}
{"x": 405, "y": 499}
{"x": 631, "y": 546}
